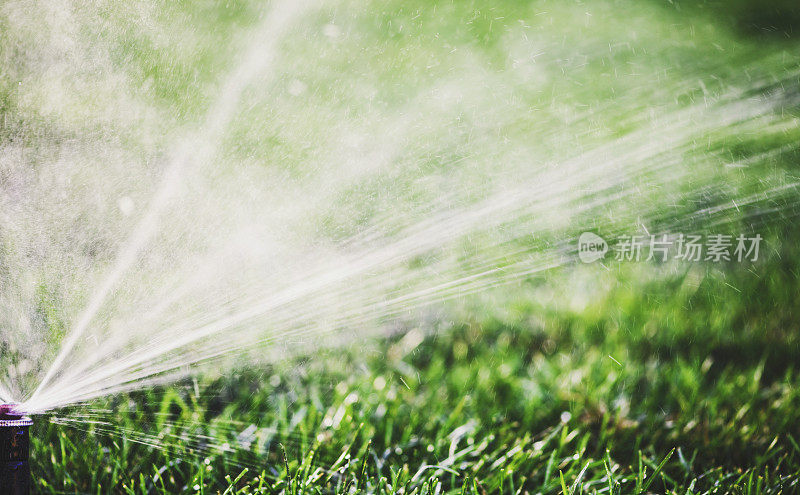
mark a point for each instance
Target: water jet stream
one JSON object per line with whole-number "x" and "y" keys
{"x": 288, "y": 310}
{"x": 451, "y": 209}
{"x": 198, "y": 146}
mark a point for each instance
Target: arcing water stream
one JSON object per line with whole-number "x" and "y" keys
{"x": 138, "y": 249}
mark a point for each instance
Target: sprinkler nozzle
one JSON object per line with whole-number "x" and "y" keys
{"x": 15, "y": 472}
{"x": 10, "y": 411}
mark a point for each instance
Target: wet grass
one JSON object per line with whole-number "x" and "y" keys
{"x": 684, "y": 381}
{"x": 624, "y": 378}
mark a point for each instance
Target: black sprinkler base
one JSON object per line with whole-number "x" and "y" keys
{"x": 15, "y": 472}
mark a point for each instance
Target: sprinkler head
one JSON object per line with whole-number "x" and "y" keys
{"x": 9, "y": 412}
{"x": 15, "y": 472}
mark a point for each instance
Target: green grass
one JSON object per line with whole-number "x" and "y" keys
{"x": 638, "y": 378}
{"x": 663, "y": 384}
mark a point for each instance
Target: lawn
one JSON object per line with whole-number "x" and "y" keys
{"x": 613, "y": 377}
{"x": 681, "y": 383}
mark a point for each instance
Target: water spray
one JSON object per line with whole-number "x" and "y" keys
{"x": 15, "y": 472}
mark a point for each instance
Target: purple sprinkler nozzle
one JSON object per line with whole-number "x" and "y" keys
{"x": 10, "y": 411}
{"x": 15, "y": 472}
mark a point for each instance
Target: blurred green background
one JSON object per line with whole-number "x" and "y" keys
{"x": 581, "y": 379}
